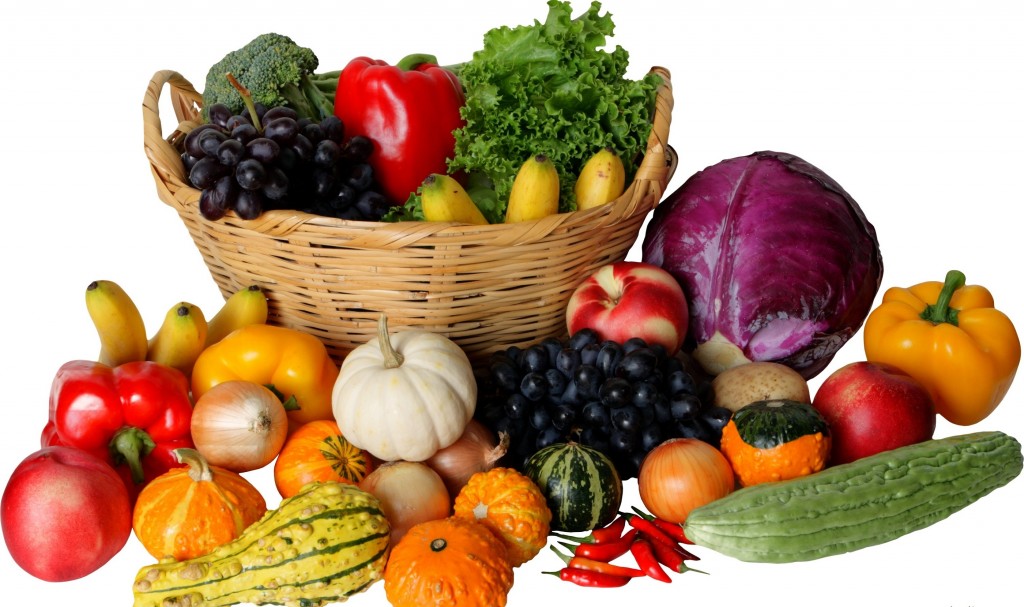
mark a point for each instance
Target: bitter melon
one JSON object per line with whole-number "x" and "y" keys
{"x": 863, "y": 503}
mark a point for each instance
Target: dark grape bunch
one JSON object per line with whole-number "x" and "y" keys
{"x": 621, "y": 399}
{"x": 284, "y": 163}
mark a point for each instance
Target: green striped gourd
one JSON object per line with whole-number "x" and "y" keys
{"x": 862, "y": 503}
{"x": 323, "y": 544}
{"x": 582, "y": 487}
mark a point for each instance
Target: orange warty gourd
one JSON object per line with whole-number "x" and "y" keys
{"x": 317, "y": 451}
{"x": 187, "y": 512}
{"x": 775, "y": 440}
{"x": 509, "y": 504}
{"x": 451, "y": 562}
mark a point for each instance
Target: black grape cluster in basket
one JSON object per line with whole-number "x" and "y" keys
{"x": 621, "y": 399}
{"x": 285, "y": 163}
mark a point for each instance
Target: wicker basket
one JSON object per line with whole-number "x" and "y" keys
{"x": 485, "y": 287}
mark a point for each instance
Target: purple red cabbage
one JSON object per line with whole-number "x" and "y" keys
{"x": 777, "y": 260}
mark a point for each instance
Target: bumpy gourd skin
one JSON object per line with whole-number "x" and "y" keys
{"x": 187, "y": 512}
{"x": 863, "y": 503}
{"x": 509, "y": 504}
{"x": 762, "y": 446}
{"x": 452, "y": 561}
{"x": 324, "y": 544}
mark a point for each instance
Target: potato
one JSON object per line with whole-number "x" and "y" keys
{"x": 751, "y": 382}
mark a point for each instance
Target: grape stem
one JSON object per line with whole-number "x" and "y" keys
{"x": 247, "y": 99}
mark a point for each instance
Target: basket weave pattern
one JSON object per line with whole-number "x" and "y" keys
{"x": 485, "y": 287}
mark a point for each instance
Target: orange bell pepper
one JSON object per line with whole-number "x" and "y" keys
{"x": 293, "y": 363}
{"x": 950, "y": 337}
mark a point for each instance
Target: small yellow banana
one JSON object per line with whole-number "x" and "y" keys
{"x": 444, "y": 199}
{"x": 601, "y": 180}
{"x": 180, "y": 339}
{"x": 534, "y": 191}
{"x": 245, "y": 307}
{"x": 118, "y": 323}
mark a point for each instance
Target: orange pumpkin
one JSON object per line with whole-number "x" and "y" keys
{"x": 510, "y": 505}
{"x": 451, "y": 562}
{"x": 317, "y": 451}
{"x": 187, "y": 512}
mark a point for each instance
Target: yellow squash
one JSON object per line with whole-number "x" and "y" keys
{"x": 324, "y": 544}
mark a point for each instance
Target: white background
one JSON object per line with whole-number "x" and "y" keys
{"x": 915, "y": 108}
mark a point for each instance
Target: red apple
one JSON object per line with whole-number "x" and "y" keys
{"x": 631, "y": 299}
{"x": 64, "y": 514}
{"x": 873, "y": 407}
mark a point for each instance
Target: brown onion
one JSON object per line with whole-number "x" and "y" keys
{"x": 475, "y": 451}
{"x": 681, "y": 474}
{"x": 239, "y": 425}
{"x": 409, "y": 493}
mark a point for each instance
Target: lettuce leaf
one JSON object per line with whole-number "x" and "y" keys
{"x": 549, "y": 88}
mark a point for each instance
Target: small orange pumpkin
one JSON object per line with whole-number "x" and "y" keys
{"x": 775, "y": 440}
{"x": 317, "y": 451}
{"x": 451, "y": 562}
{"x": 509, "y": 504}
{"x": 186, "y": 512}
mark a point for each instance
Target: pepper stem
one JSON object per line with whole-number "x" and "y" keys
{"x": 130, "y": 445}
{"x": 290, "y": 403}
{"x": 411, "y": 62}
{"x": 565, "y": 557}
{"x": 198, "y": 467}
{"x": 392, "y": 358}
{"x": 940, "y": 312}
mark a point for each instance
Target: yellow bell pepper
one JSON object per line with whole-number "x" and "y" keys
{"x": 950, "y": 337}
{"x": 294, "y": 363}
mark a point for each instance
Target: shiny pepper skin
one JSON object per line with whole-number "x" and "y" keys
{"x": 950, "y": 337}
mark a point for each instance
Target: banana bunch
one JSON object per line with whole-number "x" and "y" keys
{"x": 183, "y": 334}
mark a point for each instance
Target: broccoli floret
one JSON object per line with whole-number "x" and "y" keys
{"x": 277, "y": 71}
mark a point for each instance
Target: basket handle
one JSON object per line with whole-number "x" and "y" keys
{"x": 659, "y": 172}
{"x": 164, "y": 159}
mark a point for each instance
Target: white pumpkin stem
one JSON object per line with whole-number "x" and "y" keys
{"x": 392, "y": 358}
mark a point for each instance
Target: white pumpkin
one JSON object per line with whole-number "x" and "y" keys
{"x": 404, "y": 396}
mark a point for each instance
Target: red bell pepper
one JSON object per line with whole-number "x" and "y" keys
{"x": 132, "y": 416}
{"x": 409, "y": 111}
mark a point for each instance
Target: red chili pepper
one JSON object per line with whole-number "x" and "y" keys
{"x": 409, "y": 111}
{"x": 609, "y": 533}
{"x": 678, "y": 549}
{"x": 643, "y": 552}
{"x": 669, "y": 558}
{"x": 672, "y": 559}
{"x": 674, "y": 530}
{"x": 607, "y": 551}
{"x": 652, "y": 531}
{"x": 579, "y": 562}
{"x": 593, "y": 579}
{"x": 132, "y": 416}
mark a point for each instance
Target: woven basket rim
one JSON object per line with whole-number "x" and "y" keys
{"x": 652, "y": 176}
